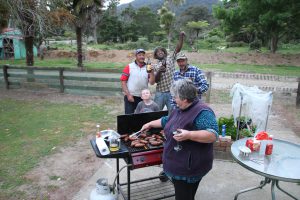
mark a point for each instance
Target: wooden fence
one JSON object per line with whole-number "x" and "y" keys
{"x": 95, "y": 82}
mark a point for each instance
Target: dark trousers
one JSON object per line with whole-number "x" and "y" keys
{"x": 184, "y": 190}
{"x": 131, "y": 106}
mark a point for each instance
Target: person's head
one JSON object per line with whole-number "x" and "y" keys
{"x": 140, "y": 55}
{"x": 184, "y": 92}
{"x": 182, "y": 60}
{"x": 146, "y": 94}
{"x": 160, "y": 53}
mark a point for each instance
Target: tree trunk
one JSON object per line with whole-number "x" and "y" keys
{"x": 29, "y": 50}
{"x": 79, "y": 47}
{"x": 274, "y": 43}
{"x": 169, "y": 40}
{"x": 29, "y": 57}
{"x": 95, "y": 35}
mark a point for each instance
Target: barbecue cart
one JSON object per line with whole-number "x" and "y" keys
{"x": 139, "y": 157}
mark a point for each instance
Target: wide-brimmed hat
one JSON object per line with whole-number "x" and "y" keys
{"x": 181, "y": 56}
{"x": 139, "y": 51}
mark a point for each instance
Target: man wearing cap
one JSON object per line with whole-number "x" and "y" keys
{"x": 190, "y": 72}
{"x": 134, "y": 79}
{"x": 164, "y": 71}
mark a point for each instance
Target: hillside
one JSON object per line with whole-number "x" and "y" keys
{"x": 156, "y": 4}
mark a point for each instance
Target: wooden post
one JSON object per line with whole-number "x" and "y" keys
{"x": 61, "y": 80}
{"x": 5, "y": 75}
{"x": 209, "y": 76}
{"x": 298, "y": 94}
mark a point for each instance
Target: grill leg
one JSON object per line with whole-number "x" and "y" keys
{"x": 118, "y": 167}
{"x": 128, "y": 183}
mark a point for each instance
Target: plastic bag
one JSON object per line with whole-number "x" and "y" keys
{"x": 263, "y": 135}
{"x": 256, "y": 104}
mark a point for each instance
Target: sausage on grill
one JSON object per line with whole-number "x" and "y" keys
{"x": 139, "y": 145}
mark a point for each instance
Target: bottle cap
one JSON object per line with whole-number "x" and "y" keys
{"x": 270, "y": 137}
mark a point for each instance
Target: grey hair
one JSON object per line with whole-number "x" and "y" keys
{"x": 184, "y": 89}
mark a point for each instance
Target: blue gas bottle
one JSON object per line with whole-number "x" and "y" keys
{"x": 223, "y": 130}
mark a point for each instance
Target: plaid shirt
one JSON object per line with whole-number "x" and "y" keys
{"x": 194, "y": 74}
{"x": 166, "y": 77}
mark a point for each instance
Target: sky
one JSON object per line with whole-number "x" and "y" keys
{"x": 125, "y": 1}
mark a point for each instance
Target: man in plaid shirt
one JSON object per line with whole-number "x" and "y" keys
{"x": 164, "y": 71}
{"x": 190, "y": 72}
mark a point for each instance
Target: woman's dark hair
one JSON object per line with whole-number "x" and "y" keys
{"x": 184, "y": 89}
{"x": 159, "y": 48}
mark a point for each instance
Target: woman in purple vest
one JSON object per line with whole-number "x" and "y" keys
{"x": 190, "y": 130}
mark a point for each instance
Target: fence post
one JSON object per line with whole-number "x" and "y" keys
{"x": 5, "y": 75}
{"x": 298, "y": 94}
{"x": 209, "y": 76}
{"x": 30, "y": 74}
{"x": 61, "y": 80}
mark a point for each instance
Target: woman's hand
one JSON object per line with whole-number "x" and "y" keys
{"x": 182, "y": 135}
{"x": 146, "y": 127}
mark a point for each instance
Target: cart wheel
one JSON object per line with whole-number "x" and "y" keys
{"x": 163, "y": 177}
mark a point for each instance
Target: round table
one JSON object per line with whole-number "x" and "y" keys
{"x": 282, "y": 165}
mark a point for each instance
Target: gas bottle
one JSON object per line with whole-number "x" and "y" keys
{"x": 103, "y": 191}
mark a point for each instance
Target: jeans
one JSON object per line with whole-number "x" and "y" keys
{"x": 162, "y": 99}
{"x": 131, "y": 106}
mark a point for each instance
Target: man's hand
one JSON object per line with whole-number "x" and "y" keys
{"x": 130, "y": 98}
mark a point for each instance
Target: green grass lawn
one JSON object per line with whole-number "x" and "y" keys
{"x": 31, "y": 129}
{"x": 64, "y": 62}
{"x": 281, "y": 70}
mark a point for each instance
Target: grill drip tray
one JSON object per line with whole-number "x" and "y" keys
{"x": 149, "y": 189}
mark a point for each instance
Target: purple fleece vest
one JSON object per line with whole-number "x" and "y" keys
{"x": 194, "y": 159}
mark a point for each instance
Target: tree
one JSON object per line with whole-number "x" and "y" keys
{"x": 197, "y": 26}
{"x": 275, "y": 18}
{"x": 4, "y": 14}
{"x": 195, "y": 13}
{"x": 80, "y": 9}
{"x": 129, "y": 25}
{"x": 166, "y": 21}
{"x": 31, "y": 18}
{"x": 35, "y": 19}
{"x": 93, "y": 18}
{"x": 110, "y": 28}
{"x": 146, "y": 27}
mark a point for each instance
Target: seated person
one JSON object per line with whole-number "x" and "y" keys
{"x": 147, "y": 105}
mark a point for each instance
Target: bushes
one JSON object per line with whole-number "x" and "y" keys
{"x": 231, "y": 127}
{"x": 256, "y": 44}
{"x": 237, "y": 44}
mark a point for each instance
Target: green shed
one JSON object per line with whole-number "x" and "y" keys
{"x": 12, "y": 45}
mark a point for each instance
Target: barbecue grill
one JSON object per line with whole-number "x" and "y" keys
{"x": 138, "y": 158}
